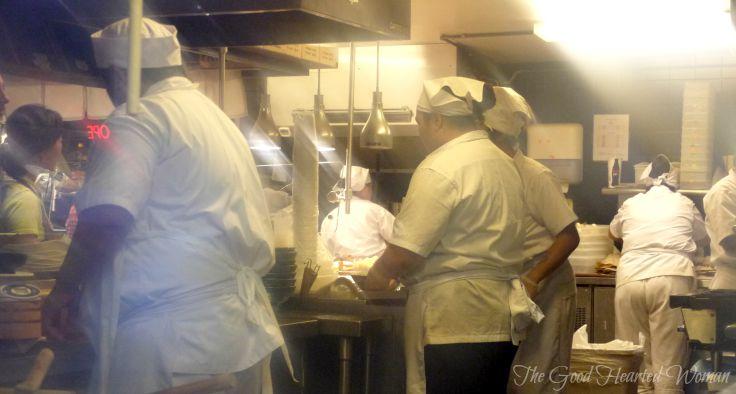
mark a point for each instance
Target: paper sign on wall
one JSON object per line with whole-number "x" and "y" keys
{"x": 610, "y": 137}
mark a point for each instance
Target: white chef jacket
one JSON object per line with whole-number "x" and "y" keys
{"x": 464, "y": 212}
{"x": 188, "y": 273}
{"x": 547, "y": 210}
{"x": 720, "y": 217}
{"x": 659, "y": 229}
{"x": 361, "y": 234}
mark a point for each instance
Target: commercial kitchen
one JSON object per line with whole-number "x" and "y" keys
{"x": 367, "y": 196}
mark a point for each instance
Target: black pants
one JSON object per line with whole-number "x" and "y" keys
{"x": 468, "y": 367}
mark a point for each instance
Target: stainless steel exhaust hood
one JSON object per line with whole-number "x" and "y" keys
{"x": 231, "y": 23}
{"x": 49, "y": 39}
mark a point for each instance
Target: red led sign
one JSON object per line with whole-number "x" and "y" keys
{"x": 98, "y": 132}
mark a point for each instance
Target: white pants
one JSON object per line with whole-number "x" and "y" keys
{"x": 643, "y": 307}
{"x": 548, "y": 344}
{"x": 254, "y": 380}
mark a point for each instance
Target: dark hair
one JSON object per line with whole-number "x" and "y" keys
{"x": 31, "y": 130}
{"x": 660, "y": 165}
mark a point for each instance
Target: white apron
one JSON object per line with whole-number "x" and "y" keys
{"x": 101, "y": 310}
{"x": 523, "y": 312}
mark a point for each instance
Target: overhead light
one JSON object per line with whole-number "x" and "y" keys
{"x": 636, "y": 26}
{"x": 264, "y": 135}
{"x": 376, "y": 133}
{"x": 322, "y": 128}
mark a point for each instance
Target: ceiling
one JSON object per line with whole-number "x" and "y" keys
{"x": 492, "y": 19}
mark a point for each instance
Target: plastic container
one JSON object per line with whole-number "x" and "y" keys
{"x": 582, "y": 266}
{"x": 638, "y": 170}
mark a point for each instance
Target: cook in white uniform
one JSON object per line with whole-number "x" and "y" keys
{"x": 365, "y": 231}
{"x": 457, "y": 245}
{"x": 720, "y": 219}
{"x": 659, "y": 230}
{"x": 173, "y": 235}
{"x": 550, "y": 238}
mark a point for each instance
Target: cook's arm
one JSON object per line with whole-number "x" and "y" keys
{"x": 392, "y": 265}
{"x": 417, "y": 230}
{"x": 618, "y": 242}
{"x": 564, "y": 244}
{"x": 99, "y": 236}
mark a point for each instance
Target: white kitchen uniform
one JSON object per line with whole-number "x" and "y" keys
{"x": 361, "y": 234}
{"x": 464, "y": 214}
{"x": 720, "y": 217}
{"x": 659, "y": 229}
{"x": 184, "y": 295}
{"x": 548, "y": 344}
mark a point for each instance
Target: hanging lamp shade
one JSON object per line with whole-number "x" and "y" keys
{"x": 323, "y": 130}
{"x": 265, "y": 135}
{"x": 376, "y": 133}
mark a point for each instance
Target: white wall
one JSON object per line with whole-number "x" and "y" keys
{"x": 403, "y": 68}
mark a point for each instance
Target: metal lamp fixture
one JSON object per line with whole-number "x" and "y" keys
{"x": 265, "y": 135}
{"x": 325, "y": 136}
{"x": 376, "y": 133}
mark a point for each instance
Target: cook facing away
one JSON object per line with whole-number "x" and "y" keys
{"x": 550, "y": 238}
{"x": 365, "y": 231}
{"x": 720, "y": 219}
{"x": 457, "y": 245}
{"x": 659, "y": 231}
{"x": 173, "y": 235}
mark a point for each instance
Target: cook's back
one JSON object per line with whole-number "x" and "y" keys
{"x": 185, "y": 172}
{"x": 485, "y": 226}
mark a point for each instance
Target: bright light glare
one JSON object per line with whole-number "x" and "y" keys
{"x": 636, "y": 26}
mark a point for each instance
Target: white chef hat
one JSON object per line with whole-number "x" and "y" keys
{"x": 159, "y": 46}
{"x": 671, "y": 178}
{"x": 510, "y": 114}
{"x": 450, "y": 96}
{"x": 359, "y": 177}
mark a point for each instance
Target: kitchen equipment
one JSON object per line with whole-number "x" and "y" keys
{"x": 559, "y": 146}
{"x": 264, "y": 134}
{"x": 710, "y": 320}
{"x": 280, "y": 281}
{"x": 310, "y": 275}
{"x": 325, "y": 136}
{"x": 376, "y": 133}
{"x": 20, "y": 311}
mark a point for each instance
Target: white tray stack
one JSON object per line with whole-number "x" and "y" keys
{"x": 698, "y": 109}
{"x": 594, "y": 247}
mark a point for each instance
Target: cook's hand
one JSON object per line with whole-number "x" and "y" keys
{"x": 376, "y": 281}
{"x": 59, "y": 315}
{"x": 531, "y": 287}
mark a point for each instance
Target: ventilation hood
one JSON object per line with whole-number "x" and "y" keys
{"x": 216, "y": 23}
{"x": 49, "y": 39}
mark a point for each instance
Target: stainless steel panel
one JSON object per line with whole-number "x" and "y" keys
{"x": 604, "y": 318}
{"x": 583, "y": 308}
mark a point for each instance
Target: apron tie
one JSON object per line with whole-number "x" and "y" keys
{"x": 250, "y": 286}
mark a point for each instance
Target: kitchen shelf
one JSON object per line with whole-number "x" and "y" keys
{"x": 615, "y": 191}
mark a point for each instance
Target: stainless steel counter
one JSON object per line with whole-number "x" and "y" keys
{"x": 610, "y": 280}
